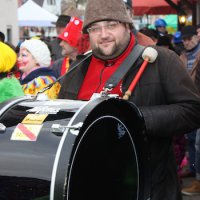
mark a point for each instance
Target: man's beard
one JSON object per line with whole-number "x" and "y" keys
{"x": 116, "y": 50}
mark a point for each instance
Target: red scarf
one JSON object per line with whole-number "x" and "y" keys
{"x": 99, "y": 71}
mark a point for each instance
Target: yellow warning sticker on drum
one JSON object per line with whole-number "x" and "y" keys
{"x": 26, "y": 132}
{"x": 34, "y": 118}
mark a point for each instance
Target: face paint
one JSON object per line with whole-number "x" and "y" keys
{"x": 26, "y": 62}
{"x": 23, "y": 58}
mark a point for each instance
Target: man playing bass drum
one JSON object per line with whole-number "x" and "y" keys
{"x": 165, "y": 94}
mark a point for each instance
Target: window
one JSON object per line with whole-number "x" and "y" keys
{"x": 9, "y": 34}
{"x": 51, "y": 2}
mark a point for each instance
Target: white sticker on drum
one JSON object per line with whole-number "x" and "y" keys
{"x": 53, "y": 103}
{"x": 26, "y": 132}
{"x": 44, "y": 110}
{"x": 34, "y": 119}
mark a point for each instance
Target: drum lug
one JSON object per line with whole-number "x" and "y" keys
{"x": 2, "y": 128}
{"x": 74, "y": 129}
{"x": 58, "y": 129}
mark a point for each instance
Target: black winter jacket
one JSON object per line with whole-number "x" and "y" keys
{"x": 170, "y": 104}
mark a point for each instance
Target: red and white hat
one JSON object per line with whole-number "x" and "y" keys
{"x": 72, "y": 32}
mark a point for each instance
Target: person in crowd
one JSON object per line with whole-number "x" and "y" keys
{"x": 34, "y": 61}
{"x": 160, "y": 25}
{"x": 2, "y": 37}
{"x": 192, "y": 49}
{"x": 9, "y": 85}
{"x": 191, "y": 44}
{"x": 165, "y": 41}
{"x": 198, "y": 31}
{"x": 169, "y": 104}
{"x": 15, "y": 70}
{"x": 178, "y": 43}
{"x": 61, "y": 23}
{"x": 194, "y": 187}
{"x": 73, "y": 43}
{"x": 150, "y": 32}
{"x": 141, "y": 38}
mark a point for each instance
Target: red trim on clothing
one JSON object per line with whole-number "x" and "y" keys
{"x": 65, "y": 66}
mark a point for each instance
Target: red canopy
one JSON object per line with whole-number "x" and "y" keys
{"x": 152, "y": 7}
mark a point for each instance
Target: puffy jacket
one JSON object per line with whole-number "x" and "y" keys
{"x": 10, "y": 88}
{"x": 170, "y": 104}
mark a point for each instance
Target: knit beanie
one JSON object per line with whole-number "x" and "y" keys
{"x": 102, "y": 10}
{"x": 72, "y": 32}
{"x": 8, "y": 58}
{"x": 39, "y": 51}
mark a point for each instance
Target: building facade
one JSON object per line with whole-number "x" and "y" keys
{"x": 9, "y": 21}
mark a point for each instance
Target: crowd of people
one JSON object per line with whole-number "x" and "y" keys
{"x": 167, "y": 93}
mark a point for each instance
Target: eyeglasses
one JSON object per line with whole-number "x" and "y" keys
{"x": 110, "y": 26}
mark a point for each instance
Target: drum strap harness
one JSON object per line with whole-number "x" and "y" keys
{"x": 116, "y": 77}
{"x": 72, "y": 67}
{"x": 122, "y": 70}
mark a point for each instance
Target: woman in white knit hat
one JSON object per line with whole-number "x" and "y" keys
{"x": 34, "y": 60}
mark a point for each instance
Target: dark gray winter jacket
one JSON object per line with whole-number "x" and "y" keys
{"x": 170, "y": 104}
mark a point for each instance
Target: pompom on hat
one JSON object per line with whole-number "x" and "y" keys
{"x": 8, "y": 58}
{"x": 39, "y": 51}
{"x": 72, "y": 32}
{"x": 102, "y": 10}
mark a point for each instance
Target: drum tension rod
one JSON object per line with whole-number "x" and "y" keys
{"x": 60, "y": 129}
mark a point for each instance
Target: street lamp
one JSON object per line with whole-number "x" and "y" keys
{"x": 182, "y": 19}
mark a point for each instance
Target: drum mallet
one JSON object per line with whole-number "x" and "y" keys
{"x": 149, "y": 55}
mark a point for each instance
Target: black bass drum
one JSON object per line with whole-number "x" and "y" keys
{"x": 71, "y": 150}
